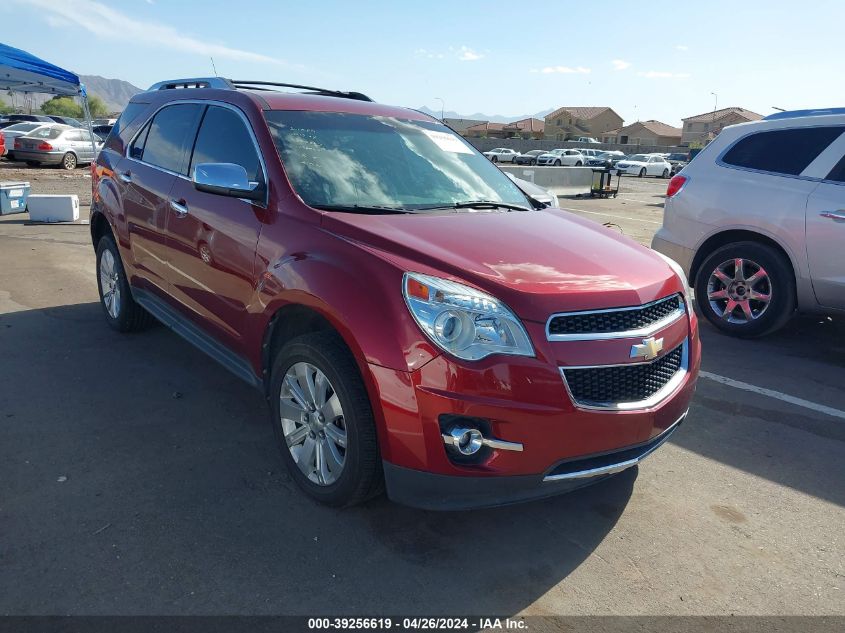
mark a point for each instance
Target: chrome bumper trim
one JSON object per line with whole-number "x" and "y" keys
{"x": 623, "y": 465}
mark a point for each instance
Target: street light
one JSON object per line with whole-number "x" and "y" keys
{"x": 442, "y": 105}
{"x": 715, "y": 105}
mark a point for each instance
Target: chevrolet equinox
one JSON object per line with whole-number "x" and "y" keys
{"x": 417, "y": 323}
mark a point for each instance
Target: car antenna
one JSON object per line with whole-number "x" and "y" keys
{"x": 213, "y": 67}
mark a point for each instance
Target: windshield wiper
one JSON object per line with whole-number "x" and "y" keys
{"x": 360, "y": 208}
{"x": 481, "y": 204}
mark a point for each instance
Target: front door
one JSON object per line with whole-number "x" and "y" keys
{"x": 211, "y": 238}
{"x": 826, "y": 241}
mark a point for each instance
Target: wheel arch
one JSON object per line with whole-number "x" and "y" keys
{"x": 99, "y": 226}
{"x": 722, "y": 238}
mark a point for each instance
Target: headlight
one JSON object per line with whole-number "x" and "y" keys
{"x": 683, "y": 276}
{"x": 463, "y": 321}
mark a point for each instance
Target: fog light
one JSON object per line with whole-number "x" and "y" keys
{"x": 467, "y": 441}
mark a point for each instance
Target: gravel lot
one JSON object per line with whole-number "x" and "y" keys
{"x": 138, "y": 477}
{"x": 50, "y": 180}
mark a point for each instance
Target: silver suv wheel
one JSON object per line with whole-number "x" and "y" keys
{"x": 739, "y": 290}
{"x": 110, "y": 284}
{"x": 312, "y": 423}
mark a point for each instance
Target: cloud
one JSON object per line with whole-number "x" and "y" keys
{"x": 682, "y": 47}
{"x": 426, "y": 54}
{"x": 565, "y": 70}
{"x": 620, "y": 64}
{"x": 660, "y": 74}
{"x": 107, "y": 23}
{"x": 466, "y": 54}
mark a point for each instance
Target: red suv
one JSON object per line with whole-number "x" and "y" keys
{"x": 414, "y": 319}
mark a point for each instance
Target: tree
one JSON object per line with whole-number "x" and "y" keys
{"x": 5, "y": 108}
{"x": 67, "y": 106}
{"x": 97, "y": 106}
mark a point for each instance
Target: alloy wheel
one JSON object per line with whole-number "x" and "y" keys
{"x": 739, "y": 291}
{"x": 313, "y": 423}
{"x": 69, "y": 161}
{"x": 110, "y": 284}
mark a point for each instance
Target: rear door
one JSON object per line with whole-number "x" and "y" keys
{"x": 156, "y": 156}
{"x": 211, "y": 242}
{"x": 826, "y": 237}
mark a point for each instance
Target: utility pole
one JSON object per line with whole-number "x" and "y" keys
{"x": 442, "y": 105}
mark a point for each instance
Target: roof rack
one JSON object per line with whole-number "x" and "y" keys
{"x": 221, "y": 83}
{"x": 794, "y": 114}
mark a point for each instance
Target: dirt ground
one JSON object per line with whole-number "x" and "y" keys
{"x": 50, "y": 180}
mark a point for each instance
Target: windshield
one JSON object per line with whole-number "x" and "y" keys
{"x": 639, "y": 158}
{"x": 22, "y": 127}
{"x": 351, "y": 160}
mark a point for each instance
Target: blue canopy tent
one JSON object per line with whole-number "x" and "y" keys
{"x": 23, "y": 72}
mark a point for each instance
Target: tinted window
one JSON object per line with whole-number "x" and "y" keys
{"x": 171, "y": 136}
{"x": 129, "y": 114}
{"x": 838, "y": 172}
{"x": 223, "y": 138}
{"x": 136, "y": 151}
{"x": 782, "y": 151}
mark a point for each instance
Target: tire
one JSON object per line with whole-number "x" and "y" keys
{"x": 579, "y": 164}
{"x": 33, "y": 163}
{"x": 69, "y": 161}
{"x": 358, "y": 476}
{"x": 714, "y": 296}
{"x": 119, "y": 308}
{"x": 642, "y": 173}
{"x": 532, "y": 162}
{"x": 494, "y": 159}
{"x": 665, "y": 173}
{"x": 557, "y": 163}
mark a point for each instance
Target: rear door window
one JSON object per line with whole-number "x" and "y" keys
{"x": 170, "y": 137}
{"x": 782, "y": 151}
{"x": 224, "y": 138}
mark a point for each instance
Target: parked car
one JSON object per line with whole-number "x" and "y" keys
{"x": 17, "y": 118}
{"x": 502, "y": 155}
{"x": 584, "y": 139}
{"x": 57, "y": 145}
{"x": 589, "y": 153}
{"x": 3, "y": 150}
{"x": 614, "y": 156}
{"x": 102, "y": 130}
{"x": 558, "y": 157}
{"x": 644, "y": 165}
{"x": 20, "y": 129}
{"x": 105, "y": 121}
{"x": 66, "y": 120}
{"x": 528, "y": 158}
{"x": 678, "y": 161}
{"x": 536, "y": 192}
{"x": 758, "y": 221}
{"x": 413, "y": 319}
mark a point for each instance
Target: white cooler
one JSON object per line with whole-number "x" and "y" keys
{"x": 53, "y": 208}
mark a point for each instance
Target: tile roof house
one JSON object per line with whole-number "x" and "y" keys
{"x": 572, "y": 121}
{"x": 460, "y": 125}
{"x": 524, "y": 128}
{"x": 702, "y": 128}
{"x": 485, "y": 130}
{"x": 644, "y": 133}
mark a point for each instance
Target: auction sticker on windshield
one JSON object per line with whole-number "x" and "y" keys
{"x": 447, "y": 142}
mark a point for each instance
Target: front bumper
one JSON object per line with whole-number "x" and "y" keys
{"x": 431, "y": 491}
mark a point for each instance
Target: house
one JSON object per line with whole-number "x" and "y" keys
{"x": 569, "y": 122}
{"x": 460, "y": 125}
{"x": 703, "y": 128}
{"x": 525, "y": 128}
{"x": 485, "y": 129}
{"x": 644, "y": 133}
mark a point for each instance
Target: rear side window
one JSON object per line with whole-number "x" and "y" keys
{"x": 129, "y": 114}
{"x": 782, "y": 151}
{"x": 838, "y": 172}
{"x": 224, "y": 138}
{"x": 170, "y": 137}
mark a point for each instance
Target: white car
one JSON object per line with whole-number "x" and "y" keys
{"x": 546, "y": 196}
{"x": 585, "y": 139}
{"x": 589, "y": 153}
{"x": 757, "y": 221}
{"x": 20, "y": 129}
{"x": 502, "y": 155}
{"x": 558, "y": 157}
{"x": 645, "y": 165}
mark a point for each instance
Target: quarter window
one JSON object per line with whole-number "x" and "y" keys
{"x": 223, "y": 138}
{"x": 838, "y": 172}
{"x": 782, "y": 151}
{"x": 170, "y": 137}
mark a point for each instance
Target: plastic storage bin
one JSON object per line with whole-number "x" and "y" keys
{"x": 13, "y": 196}
{"x": 53, "y": 208}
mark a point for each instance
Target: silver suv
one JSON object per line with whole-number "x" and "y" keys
{"x": 757, "y": 221}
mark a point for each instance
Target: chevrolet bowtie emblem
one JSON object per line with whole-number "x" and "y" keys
{"x": 649, "y": 349}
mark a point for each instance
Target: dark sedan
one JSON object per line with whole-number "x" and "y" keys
{"x": 528, "y": 158}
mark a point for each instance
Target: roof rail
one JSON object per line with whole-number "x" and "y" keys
{"x": 220, "y": 83}
{"x": 259, "y": 85}
{"x": 794, "y": 114}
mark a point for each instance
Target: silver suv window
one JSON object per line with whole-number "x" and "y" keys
{"x": 781, "y": 151}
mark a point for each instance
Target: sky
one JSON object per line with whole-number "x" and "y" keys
{"x": 646, "y": 60}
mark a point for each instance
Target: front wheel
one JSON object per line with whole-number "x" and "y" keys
{"x": 557, "y": 163}
{"x": 323, "y": 421}
{"x": 120, "y": 309}
{"x": 642, "y": 173}
{"x": 665, "y": 173}
{"x": 746, "y": 289}
{"x": 578, "y": 164}
{"x": 69, "y": 161}
{"x": 494, "y": 159}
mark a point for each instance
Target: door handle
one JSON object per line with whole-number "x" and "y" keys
{"x": 179, "y": 207}
{"x": 125, "y": 176}
{"x": 834, "y": 215}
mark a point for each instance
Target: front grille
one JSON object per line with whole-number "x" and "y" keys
{"x": 614, "y": 384}
{"x": 618, "y": 320}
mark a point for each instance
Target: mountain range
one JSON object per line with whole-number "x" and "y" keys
{"x": 480, "y": 116}
{"x": 116, "y": 93}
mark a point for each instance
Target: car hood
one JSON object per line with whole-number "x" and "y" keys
{"x": 537, "y": 262}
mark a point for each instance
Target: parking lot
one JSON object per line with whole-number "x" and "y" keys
{"x": 142, "y": 478}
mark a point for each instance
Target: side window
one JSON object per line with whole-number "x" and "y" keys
{"x": 171, "y": 135}
{"x": 782, "y": 151}
{"x": 129, "y": 114}
{"x": 838, "y": 172}
{"x": 224, "y": 138}
{"x": 73, "y": 136}
{"x": 136, "y": 151}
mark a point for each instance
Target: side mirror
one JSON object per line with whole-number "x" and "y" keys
{"x": 226, "y": 179}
